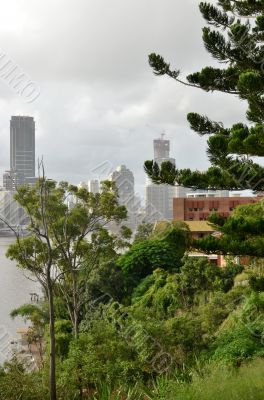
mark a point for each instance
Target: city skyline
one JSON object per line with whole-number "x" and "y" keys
{"x": 22, "y": 165}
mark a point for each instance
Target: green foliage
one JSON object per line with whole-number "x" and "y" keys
{"x": 163, "y": 293}
{"x": 63, "y": 335}
{"x": 190, "y": 316}
{"x": 57, "y": 247}
{"x": 99, "y": 273}
{"x": 63, "y": 332}
{"x": 159, "y": 293}
{"x": 211, "y": 383}
{"x": 143, "y": 232}
{"x": 37, "y": 314}
{"x": 16, "y": 383}
{"x": 99, "y": 355}
{"x": 198, "y": 276}
{"x": 216, "y": 383}
{"x": 142, "y": 287}
{"x": 106, "y": 278}
{"x": 242, "y": 233}
{"x": 257, "y": 283}
{"x": 58, "y": 237}
{"x": 143, "y": 258}
{"x": 242, "y": 335}
{"x": 228, "y": 275}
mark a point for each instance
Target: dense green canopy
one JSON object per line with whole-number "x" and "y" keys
{"x": 242, "y": 233}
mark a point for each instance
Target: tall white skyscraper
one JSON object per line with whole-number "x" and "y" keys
{"x": 125, "y": 183}
{"x": 94, "y": 186}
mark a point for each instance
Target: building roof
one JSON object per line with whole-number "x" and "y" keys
{"x": 199, "y": 226}
{"x": 194, "y": 226}
{"x": 23, "y": 330}
{"x": 160, "y": 226}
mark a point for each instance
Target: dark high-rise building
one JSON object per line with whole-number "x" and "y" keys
{"x": 22, "y": 152}
{"x": 161, "y": 148}
{"x": 22, "y": 146}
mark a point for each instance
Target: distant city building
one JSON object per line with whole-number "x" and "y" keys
{"x": 94, "y": 186}
{"x": 9, "y": 180}
{"x": 162, "y": 150}
{"x": 159, "y": 202}
{"x": 199, "y": 209}
{"x": 22, "y": 170}
{"x": 11, "y": 211}
{"x": 125, "y": 183}
{"x": 194, "y": 211}
{"x": 159, "y": 198}
{"x": 207, "y": 193}
{"x": 83, "y": 185}
{"x": 181, "y": 191}
{"x": 22, "y": 153}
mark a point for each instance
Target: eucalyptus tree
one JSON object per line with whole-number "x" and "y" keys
{"x": 61, "y": 217}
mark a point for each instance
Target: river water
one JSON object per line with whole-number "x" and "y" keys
{"x": 14, "y": 291}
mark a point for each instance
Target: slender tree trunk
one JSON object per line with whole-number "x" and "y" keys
{"x": 75, "y": 306}
{"x": 75, "y": 324}
{"x": 52, "y": 372}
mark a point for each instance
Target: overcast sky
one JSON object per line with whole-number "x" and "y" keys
{"x": 100, "y": 103}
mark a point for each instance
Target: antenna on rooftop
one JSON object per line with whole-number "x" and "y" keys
{"x": 163, "y": 134}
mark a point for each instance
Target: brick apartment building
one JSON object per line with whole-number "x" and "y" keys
{"x": 199, "y": 209}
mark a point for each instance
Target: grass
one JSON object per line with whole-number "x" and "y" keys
{"x": 221, "y": 384}
{"x": 217, "y": 383}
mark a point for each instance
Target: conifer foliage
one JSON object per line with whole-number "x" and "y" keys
{"x": 234, "y": 36}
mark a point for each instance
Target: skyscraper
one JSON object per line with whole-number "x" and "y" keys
{"x": 161, "y": 148}
{"x": 94, "y": 186}
{"x": 159, "y": 198}
{"x": 22, "y": 153}
{"x": 125, "y": 183}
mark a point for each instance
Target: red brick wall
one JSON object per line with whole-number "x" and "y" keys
{"x": 197, "y": 209}
{"x": 178, "y": 209}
